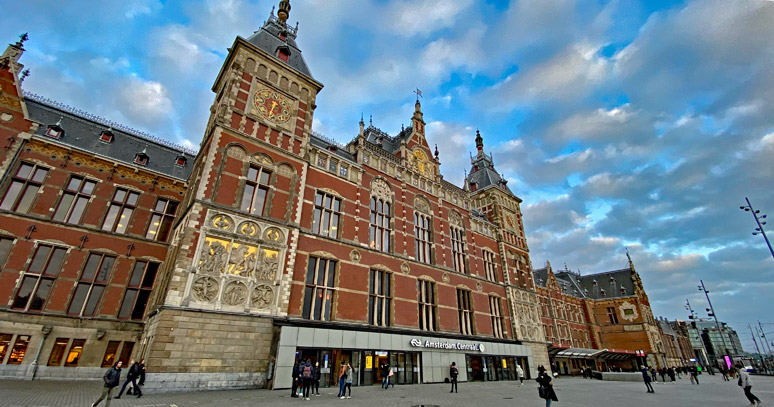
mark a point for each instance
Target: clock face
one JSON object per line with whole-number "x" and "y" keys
{"x": 421, "y": 163}
{"x": 510, "y": 221}
{"x": 272, "y": 106}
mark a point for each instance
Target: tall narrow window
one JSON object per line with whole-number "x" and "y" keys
{"x": 58, "y": 351}
{"x": 498, "y": 327}
{"x": 465, "y": 312}
{"x": 39, "y": 277}
{"x": 94, "y": 278}
{"x": 458, "y": 248}
{"x": 74, "y": 355}
{"x": 611, "y": 314}
{"x": 422, "y": 236}
{"x": 161, "y": 221}
{"x": 126, "y": 353}
{"x": 24, "y": 186}
{"x": 5, "y": 250}
{"x": 5, "y": 343}
{"x": 74, "y": 199}
{"x": 138, "y": 290}
{"x": 326, "y": 215}
{"x": 19, "y": 350}
{"x": 427, "y": 305}
{"x": 380, "y": 298}
{"x": 110, "y": 353}
{"x": 256, "y": 190}
{"x": 379, "y": 233}
{"x": 490, "y": 266}
{"x": 120, "y": 212}
{"x": 318, "y": 295}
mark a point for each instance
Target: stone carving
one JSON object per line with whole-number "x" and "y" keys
{"x": 222, "y": 222}
{"x": 261, "y": 158}
{"x": 286, "y": 171}
{"x": 524, "y": 332}
{"x": 421, "y": 205}
{"x": 234, "y": 293}
{"x": 267, "y": 265}
{"x": 380, "y": 189}
{"x": 479, "y": 287}
{"x": 213, "y": 258}
{"x": 632, "y": 314}
{"x": 242, "y": 261}
{"x": 456, "y": 219}
{"x": 405, "y": 268}
{"x": 273, "y": 235}
{"x": 236, "y": 152}
{"x": 263, "y": 296}
{"x": 354, "y": 255}
{"x": 205, "y": 289}
{"x": 249, "y": 229}
{"x": 446, "y": 278}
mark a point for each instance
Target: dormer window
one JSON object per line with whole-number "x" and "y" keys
{"x": 283, "y": 53}
{"x": 473, "y": 186}
{"x": 141, "y": 158}
{"x": 106, "y": 136}
{"x": 55, "y": 131}
{"x": 181, "y": 161}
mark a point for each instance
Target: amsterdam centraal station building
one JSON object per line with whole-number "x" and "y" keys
{"x": 272, "y": 244}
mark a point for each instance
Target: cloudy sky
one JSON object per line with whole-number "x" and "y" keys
{"x": 620, "y": 124}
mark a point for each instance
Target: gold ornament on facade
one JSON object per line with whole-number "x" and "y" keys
{"x": 222, "y": 222}
{"x": 242, "y": 260}
{"x": 249, "y": 229}
{"x": 214, "y": 255}
{"x": 268, "y": 264}
{"x": 273, "y": 235}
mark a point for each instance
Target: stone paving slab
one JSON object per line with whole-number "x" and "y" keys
{"x": 572, "y": 392}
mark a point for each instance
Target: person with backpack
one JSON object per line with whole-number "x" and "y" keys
{"x": 131, "y": 377}
{"x": 307, "y": 375}
{"x": 348, "y": 382}
{"x": 342, "y": 378}
{"x": 546, "y": 389}
{"x": 111, "y": 378}
{"x": 520, "y": 373}
{"x": 453, "y": 373}
{"x": 745, "y": 383}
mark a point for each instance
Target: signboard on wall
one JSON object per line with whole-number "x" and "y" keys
{"x": 369, "y": 362}
{"x": 475, "y": 347}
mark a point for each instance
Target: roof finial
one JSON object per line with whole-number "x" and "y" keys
{"x": 436, "y": 151}
{"x": 284, "y": 10}
{"x": 271, "y": 15}
{"x": 22, "y": 38}
{"x": 371, "y": 120}
{"x": 631, "y": 263}
{"x": 479, "y": 143}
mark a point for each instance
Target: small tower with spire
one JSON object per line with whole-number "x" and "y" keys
{"x": 284, "y": 11}
{"x": 479, "y": 143}
{"x": 417, "y": 121}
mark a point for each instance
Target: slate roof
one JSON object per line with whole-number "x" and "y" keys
{"x": 268, "y": 39}
{"x": 83, "y": 133}
{"x": 335, "y": 148}
{"x": 389, "y": 144}
{"x": 584, "y": 287}
{"x": 483, "y": 173}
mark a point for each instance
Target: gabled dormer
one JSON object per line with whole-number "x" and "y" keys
{"x": 55, "y": 131}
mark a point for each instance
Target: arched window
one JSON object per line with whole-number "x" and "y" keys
{"x": 457, "y": 232}
{"x": 381, "y": 218}
{"x": 423, "y": 222}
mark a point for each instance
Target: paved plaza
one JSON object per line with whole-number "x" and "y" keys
{"x": 571, "y": 392}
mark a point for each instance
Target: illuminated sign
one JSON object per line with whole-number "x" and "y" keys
{"x": 475, "y": 347}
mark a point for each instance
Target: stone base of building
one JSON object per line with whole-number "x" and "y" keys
{"x": 170, "y": 382}
{"x": 539, "y": 356}
{"x": 28, "y": 372}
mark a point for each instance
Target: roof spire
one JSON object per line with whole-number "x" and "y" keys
{"x": 284, "y": 10}
{"x": 436, "y": 151}
{"x": 479, "y": 143}
{"x": 631, "y": 263}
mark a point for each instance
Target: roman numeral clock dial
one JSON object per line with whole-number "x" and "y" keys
{"x": 272, "y": 106}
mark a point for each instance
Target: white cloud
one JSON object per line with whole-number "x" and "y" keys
{"x": 409, "y": 18}
{"x": 145, "y": 102}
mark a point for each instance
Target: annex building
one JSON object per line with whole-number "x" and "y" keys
{"x": 271, "y": 243}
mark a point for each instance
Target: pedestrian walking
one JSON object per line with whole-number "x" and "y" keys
{"x": 295, "y": 373}
{"x": 348, "y": 381}
{"x": 131, "y": 377}
{"x": 307, "y": 375}
{"x": 342, "y": 379}
{"x": 653, "y": 374}
{"x": 453, "y": 373}
{"x": 647, "y": 378}
{"x": 724, "y": 372}
{"x": 662, "y": 373}
{"x": 694, "y": 374}
{"x": 679, "y": 370}
{"x": 111, "y": 378}
{"x": 546, "y": 389}
{"x": 746, "y": 383}
{"x": 671, "y": 374}
{"x": 520, "y": 372}
{"x": 316, "y": 382}
{"x": 385, "y": 370}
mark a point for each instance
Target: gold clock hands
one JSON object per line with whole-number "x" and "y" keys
{"x": 273, "y": 106}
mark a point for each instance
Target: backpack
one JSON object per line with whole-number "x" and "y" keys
{"x": 739, "y": 382}
{"x": 307, "y": 372}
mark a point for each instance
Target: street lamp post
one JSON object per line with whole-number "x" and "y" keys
{"x": 693, "y": 318}
{"x": 713, "y": 315}
{"x": 759, "y": 229}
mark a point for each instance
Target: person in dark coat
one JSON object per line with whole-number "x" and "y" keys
{"x": 316, "y": 382}
{"x": 453, "y": 373}
{"x": 662, "y": 373}
{"x": 646, "y": 379}
{"x": 131, "y": 377}
{"x": 111, "y": 378}
{"x": 548, "y": 393}
{"x": 295, "y": 374}
{"x": 307, "y": 376}
{"x": 671, "y": 373}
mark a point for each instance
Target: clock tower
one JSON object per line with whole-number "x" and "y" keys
{"x": 228, "y": 272}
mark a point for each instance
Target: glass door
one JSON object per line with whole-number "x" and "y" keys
{"x": 400, "y": 368}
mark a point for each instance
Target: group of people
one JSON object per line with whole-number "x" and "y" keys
{"x": 112, "y": 378}
{"x": 306, "y": 378}
{"x": 744, "y": 381}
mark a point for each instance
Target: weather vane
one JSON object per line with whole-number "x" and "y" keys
{"x": 419, "y": 94}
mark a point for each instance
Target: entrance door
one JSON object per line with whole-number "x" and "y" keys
{"x": 475, "y": 368}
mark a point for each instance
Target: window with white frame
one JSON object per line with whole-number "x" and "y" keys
{"x": 495, "y": 309}
{"x": 327, "y": 212}
{"x": 465, "y": 311}
{"x": 320, "y": 289}
{"x": 427, "y": 305}
{"x": 380, "y": 298}
{"x": 490, "y": 266}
